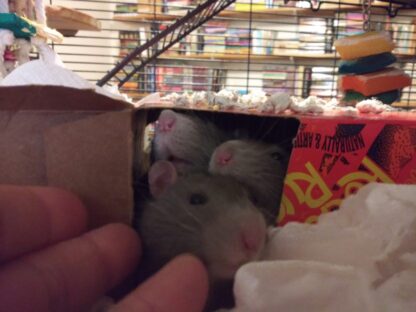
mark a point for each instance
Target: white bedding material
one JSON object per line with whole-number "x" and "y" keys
{"x": 359, "y": 258}
{"x": 312, "y": 104}
{"x": 301, "y": 286}
{"x": 373, "y": 106}
{"x": 279, "y": 102}
{"x": 38, "y": 72}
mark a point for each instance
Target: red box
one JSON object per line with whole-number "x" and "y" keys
{"x": 334, "y": 156}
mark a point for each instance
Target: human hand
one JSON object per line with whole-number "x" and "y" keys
{"x": 49, "y": 263}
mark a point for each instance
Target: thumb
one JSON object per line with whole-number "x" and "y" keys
{"x": 180, "y": 286}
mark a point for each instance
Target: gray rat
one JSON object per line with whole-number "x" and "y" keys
{"x": 209, "y": 216}
{"x": 186, "y": 140}
{"x": 261, "y": 167}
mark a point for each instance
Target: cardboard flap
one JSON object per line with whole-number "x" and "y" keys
{"x": 22, "y": 147}
{"x": 93, "y": 158}
{"x": 18, "y": 98}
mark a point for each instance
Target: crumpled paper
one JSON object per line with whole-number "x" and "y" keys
{"x": 39, "y": 72}
{"x": 359, "y": 258}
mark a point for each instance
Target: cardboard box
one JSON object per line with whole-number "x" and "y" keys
{"x": 75, "y": 139}
{"x": 335, "y": 156}
{"x": 93, "y": 146}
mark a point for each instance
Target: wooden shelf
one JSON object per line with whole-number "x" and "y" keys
{"x": 326, "y": 10}
{"x": 258, "y": 15}
{"x": 244, "y": 57}
{"x": 69, "y": 21}
{"x": 404, "y": 104}
{"x": 405, "y": 56}
{"x": 402, "y": 2}
{"x": 138, "y": 17}
{"x": 258, "y": 57}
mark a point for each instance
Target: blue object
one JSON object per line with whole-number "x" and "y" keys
{"x": 20, "y": 27}
{"x": 367, "y": 64}
{"x": 385, "y": 97}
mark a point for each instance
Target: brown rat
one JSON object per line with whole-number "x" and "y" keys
{"x": 209, "y": 216}
{"x": 261, "y": 167}
{"x": 186, "y": 140}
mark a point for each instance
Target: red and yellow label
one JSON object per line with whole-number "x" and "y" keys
{"x": 332, "y": 159}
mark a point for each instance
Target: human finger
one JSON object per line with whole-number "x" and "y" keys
{"x": 34, "y": 217}
{"x": 180, "y": 286}
{"x": 71, "y": 275}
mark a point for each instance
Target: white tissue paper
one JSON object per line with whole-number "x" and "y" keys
{"x": 306, "y": 286}
{"x": 39, "y": 72}
{"x": 312, "y": 104}
{"x": 359, "y": 258}
{"x": 373, "y": 106}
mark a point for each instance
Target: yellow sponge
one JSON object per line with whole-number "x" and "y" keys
{"x": 370, "y": 43}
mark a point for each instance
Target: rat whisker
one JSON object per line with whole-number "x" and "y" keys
{"x": 171, "y": 218}
{"x": 193, "y": 216}
{"x": 186, "y": 227}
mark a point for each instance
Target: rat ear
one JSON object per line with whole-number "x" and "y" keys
{"x": 162, "y": 174}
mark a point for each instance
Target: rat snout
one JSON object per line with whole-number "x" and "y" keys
{"x": 252, "y": 237}
{"x": 166, "y": 121}
{"x": 237, "y": 238}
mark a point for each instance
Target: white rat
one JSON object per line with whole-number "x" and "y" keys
{"x": 261, "y": 167}
{"x": 209, "y": 216}
{"x": 186, "y": 140}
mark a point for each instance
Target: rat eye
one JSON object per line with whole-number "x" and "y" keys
{"x": 276, "y": 156}
{"x": 197, "y": 199}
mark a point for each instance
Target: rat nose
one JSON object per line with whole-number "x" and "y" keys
{"x": 166, "y": 121}
{"x": 223, "y": 157}
{"x": 252, "y": 238}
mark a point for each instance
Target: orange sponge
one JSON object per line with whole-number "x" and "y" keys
{"x": 370, "y": 43}
{"x": 376, "y": 82}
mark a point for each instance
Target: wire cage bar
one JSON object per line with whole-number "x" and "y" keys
{"x": 272, "y": 45}
{"x": 167, "y": 37}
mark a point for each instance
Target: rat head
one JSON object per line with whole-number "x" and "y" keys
{"x": 187, "y": 141}
{"x": 259, "y": 166}
{"x": 209, "y": 216}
